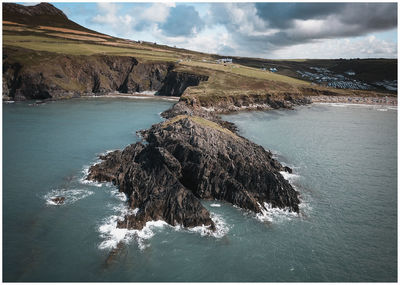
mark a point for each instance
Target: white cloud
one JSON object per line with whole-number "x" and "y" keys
{"x": 124, "y": 23}
{"x": 157, "y": 12}
{"x": 240, "y": 29}
{"x": 363, "y": 47}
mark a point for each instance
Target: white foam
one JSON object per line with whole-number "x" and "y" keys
{"x": 70, "y": 195}
{"x": 382, "y": 110}
{"x": 289, "y": 176}
{"x": 215, "y": 205}
{"x": 104, "y": 153}
{"x": 85, "y": 172}
{"x": 221, "y": 227}
{"x": 119, "y": 195}
{"x": 113, "y": 236}
{"x": 270, "y": 214}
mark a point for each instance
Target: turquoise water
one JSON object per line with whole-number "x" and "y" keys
{"x": 345, "y": 162}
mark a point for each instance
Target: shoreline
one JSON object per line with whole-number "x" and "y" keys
{"x": 373, "y": 101}
{"x": 144, "y": 95}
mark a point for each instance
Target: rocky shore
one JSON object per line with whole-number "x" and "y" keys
{"x": 387, "y": 100}
{"x": 191, "y": 156}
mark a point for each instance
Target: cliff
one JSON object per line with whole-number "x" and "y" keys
{"x": 42, "y": 75}
{"x": 189, "y": 158}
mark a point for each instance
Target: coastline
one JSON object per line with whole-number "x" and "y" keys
{"x": 139, "y": 95}
{"x": 382, "y": 101}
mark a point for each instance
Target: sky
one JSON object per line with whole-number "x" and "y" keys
{"x": 268, "y": 30}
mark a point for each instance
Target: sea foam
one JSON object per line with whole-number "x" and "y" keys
{"x": 291, "y": 177}
{"x": 112, "y": 235}
{"x": 70, "y": 195}
{"x": 85, "y": 173}
{"x": 271, "y": 214}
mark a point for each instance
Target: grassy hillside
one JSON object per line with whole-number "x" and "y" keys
{"x": 48, "y": 33}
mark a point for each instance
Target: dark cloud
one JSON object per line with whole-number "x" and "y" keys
{"x": 288, "y": 22}
{"x": 182, "y": 21}
{"x": 282, "y": 15}
{"x": 370, "y": 16}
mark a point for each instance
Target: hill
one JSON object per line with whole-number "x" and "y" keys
{"x": 48, "y": 56}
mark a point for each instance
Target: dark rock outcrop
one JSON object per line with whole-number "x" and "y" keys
{"x": 177, "y": 82}
{"x": 237, "y": 102}
{"x": 57, "y": 76}
{"x": 64, "y": 76}
{"x": 189, "y": 158}
{"x": 58, "y": 200}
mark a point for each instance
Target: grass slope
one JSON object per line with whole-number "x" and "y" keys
{"x": 45, "y": 38}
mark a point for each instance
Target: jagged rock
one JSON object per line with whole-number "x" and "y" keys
{"x": 73, "y": 75}
{"x": 189, "y": 158}
{"x": 58, "y": 200}
{"x": 287, "y": 169}
{"x": 182, "y": 108}
{"x": 177, "y": 82}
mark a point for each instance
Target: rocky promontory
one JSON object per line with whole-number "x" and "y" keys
{"x": 188, "y": 158}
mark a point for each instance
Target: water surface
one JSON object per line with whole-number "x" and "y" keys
{"x": 345, "y": 162}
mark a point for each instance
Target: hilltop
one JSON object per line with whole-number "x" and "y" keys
{"x": 48, "y": 56}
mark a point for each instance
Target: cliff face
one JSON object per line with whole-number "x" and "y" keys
{"x": 177, "y": 82}
{"x": 65, "y": 76}
{"x": 189, "y": 158}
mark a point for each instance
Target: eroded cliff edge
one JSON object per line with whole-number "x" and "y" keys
{"x": 29, "y": 74}
{"x": 189, "y": 158}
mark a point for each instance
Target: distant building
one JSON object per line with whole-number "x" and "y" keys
{"x": 273, "y": 69}
{"x": 224, "y": 60}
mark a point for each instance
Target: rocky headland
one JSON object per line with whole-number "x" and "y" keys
{"x": 191, "y": 156}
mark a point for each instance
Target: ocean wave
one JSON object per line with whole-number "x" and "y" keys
{"x": 104, "y": 153}
{"x": 291, "y": 177}
{"x": 85, "y": 172}
{"x": 119, "y": 195}
{"x": 70, "y": 195}
{"x": 271, "y": 214}
{"x": 221, "y": 227}
{"x": 113, "y": 235}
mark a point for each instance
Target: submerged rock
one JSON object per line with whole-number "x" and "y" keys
{"x": 58, "y": 200}
{"x": 188, "y": 158}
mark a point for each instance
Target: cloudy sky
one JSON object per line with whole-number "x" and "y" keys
{"x": 268, "y": 30}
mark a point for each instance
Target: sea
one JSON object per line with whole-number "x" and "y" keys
{"x": 344, "y": 161}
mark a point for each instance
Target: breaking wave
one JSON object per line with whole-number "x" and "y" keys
{"x": 70, "y": 195}
{"x": 291, "y": 177}
{"x": 113, "y": 236}
{"x": 85, "y": 173}
{"x": 270, "y": 214}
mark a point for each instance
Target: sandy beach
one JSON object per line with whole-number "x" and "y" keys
{"x": 140, "y": 95}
